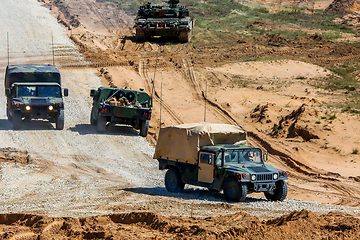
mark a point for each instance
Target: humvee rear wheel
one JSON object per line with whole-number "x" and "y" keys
{"x": 279, "y": 193}
{"x": 92, "y": 120}
{"x": 60, "y": 119}
{"x": 173, "y": 181}
{"x": 235, "y": 191}
{"x": 144, "y": 128}
{"x": 16, "y": 119}
{"x": 101, "y": 124}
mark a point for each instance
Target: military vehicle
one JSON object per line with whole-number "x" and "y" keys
{"x": 34, "y": 92}
{"x": 121, "y": 106}
{"x": 169, "y": 21}
{"x": 215, "y": 156}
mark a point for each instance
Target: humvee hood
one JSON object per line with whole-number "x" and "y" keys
{"x": 249, "y": 167}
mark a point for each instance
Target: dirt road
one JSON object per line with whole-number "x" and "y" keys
{"x": 79, "y": 173}
{"x": 69, "y": 169}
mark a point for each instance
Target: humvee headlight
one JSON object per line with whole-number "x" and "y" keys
{"x": 253, "y": 177}
{"x": 27, "y": 108}
{"x": 275, "y": 176}
{"x": 51, "y": 107}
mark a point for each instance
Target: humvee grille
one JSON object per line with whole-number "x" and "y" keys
{"x": 264, "y": 177}
{"x": 39, "y": 108}
{"x": 38, "y": 100}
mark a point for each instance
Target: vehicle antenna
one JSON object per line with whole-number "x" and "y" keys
{"x": 53, "y": 51}
{"x": 205, "y": 98}
{"x": 126, "y": 83}
{"x": 8, "y": 47}
{"x": 153, "y": 82}
{"x": 160, "y": 102}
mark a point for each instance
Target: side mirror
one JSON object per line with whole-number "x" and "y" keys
{"x": 8, "y": 92}
{"x": 66, "y": 92}
{"x": 92, "y": 93}
{"x": 265, "y": 156}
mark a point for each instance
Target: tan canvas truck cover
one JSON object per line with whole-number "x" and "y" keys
{"x": 183, "y": 142}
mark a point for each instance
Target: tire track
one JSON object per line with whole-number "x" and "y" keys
{"x": 107, "y": 24}
{"x": 143, "y": 73}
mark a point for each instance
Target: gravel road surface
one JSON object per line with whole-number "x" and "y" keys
{"x": 77, "y": 172}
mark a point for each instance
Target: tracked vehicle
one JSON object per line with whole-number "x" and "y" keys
{"x": 215, "y": 156}
{"x": 121, "y": 106}
{"x": 168, "y": 21}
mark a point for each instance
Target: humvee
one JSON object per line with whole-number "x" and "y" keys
{"x": 121, "y": 106}
{"x": 34, "y": 92}
{"x": 215, "y": 156}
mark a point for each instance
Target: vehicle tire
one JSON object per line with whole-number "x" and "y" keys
{"x": 92, "y": 120}
{"x": 280, "y": 192}
{"x": 185, "y": 37}
{"x": 16, "y": 119}
{"x": 144, "y": 128}
{"x": 140, "y": 35}
{"x": 173, "y": 181}
{"x": 60, "y": 120}
{"x": 8, "y": 115}
{"x": 101, "y": 124}
{"x": 235, "y": 191}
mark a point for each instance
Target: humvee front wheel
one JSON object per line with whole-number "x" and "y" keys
{"x": 279, "y": 193}
{"x": 235, "y": 191}
{"x": 173, "y": 181}
{"x": 60, "y": 119}
{"x": 144, "y": 128}
{"x": 8, "y": 115}
{"x": 101, "y": 124}
{"x": 16, "y": 119}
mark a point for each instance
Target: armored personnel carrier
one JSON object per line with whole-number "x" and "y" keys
{"x": 168, "y": 21}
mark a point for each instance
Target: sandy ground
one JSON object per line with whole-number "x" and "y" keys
{"x": 77, "y": 184}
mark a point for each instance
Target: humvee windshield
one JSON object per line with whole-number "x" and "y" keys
{"x": 243, "y": 156}
{"x": 39, "y": 91}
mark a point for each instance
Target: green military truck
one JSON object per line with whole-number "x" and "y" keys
{"x": 34, "y": 92}
{"x": 216, "y": 156}
{"x": 121, "y": 106}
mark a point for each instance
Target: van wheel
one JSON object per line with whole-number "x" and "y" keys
{"x": 144, "y": 128}
{"x": 16, "y": 119}
{"x": 173, "y": 181}
{"x": 235, "y": 191}
{"x": 101, "y": 124}
{"x": 60, "y": 120}
{"x": 279, "y": 193}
